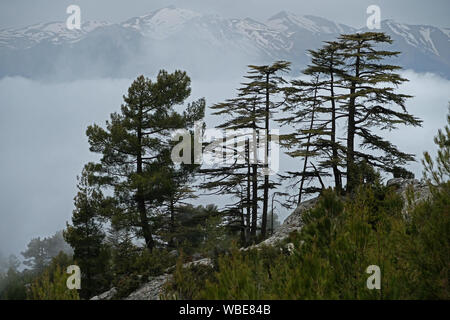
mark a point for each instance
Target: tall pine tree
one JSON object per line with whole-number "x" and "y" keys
{"x": 313, "y": 111}
{"x": 136, "y": 145}
{"x": 371, "y": 102}
{"x": 249, "y": 117}
{"x": 267, "y": 83}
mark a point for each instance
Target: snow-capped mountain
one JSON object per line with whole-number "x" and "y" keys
{"x": 162, "y": 23}
{"x": 424, "y": 48}
{"x": 52, "y": 32}
{"x": 186, "y": 39}
{"x": 290, "y": 23}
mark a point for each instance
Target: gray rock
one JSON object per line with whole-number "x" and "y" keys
{"x": 152, "y": 290}
{"x": 173, "y": 253}
{"x": 411, "y": 189}
{"x": 197, "y": 256}
{"x": 108, "y": 295}
{"x": 292, "y": 223}
{"x": 398, "y": 182}
{"x": 202, "y": 262}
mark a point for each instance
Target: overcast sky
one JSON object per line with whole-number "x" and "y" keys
{"x": 17, "y": 13}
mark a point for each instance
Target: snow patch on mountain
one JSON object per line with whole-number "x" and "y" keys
{"x": 425, "y": 32}
{"x": 162, "y": 23}
{"x": 54, "y": 32}
{"x": 291, "y": 23}
{"x": 403, "y": 31}
{"x": 446, "y": 31}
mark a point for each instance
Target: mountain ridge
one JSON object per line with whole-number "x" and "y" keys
{"x": 283, "y": 36}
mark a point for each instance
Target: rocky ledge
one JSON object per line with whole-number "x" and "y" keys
{"x": 152, "y": 289}
{"x": 410, "y": 189}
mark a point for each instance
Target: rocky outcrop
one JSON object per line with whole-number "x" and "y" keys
{"x": 410, "y": 189}
{"x": 152, "y": 290}
{"x": 201, "y": 262}
{"x": 108, "y": 295}
{"x": 292, "y": 223}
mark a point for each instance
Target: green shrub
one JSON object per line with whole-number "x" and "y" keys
{"x": 135, "y": 269}
{"x": 188, "y": 282}
{"x": 52, "y": 286}
{"x": 339, "y": 240}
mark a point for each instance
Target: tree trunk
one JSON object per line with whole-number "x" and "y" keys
{"x": 242, "y": 223}
{"x": 254, "y": 201}
{"x": 266, "y": 164}
{"x": 145, "y": 226}
{"x": 254, "y": 150}
{"x": 172, "y": 224}
{"x": 88, "y": 252}
{"x": 249, "y": 182}
{"x": 351, "y": 179}
{"x": 305, "y": 163}
{"x": 336, "y": 172}
{"x": 350, "y": 142}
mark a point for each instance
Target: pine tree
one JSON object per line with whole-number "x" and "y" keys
{"x": 180, "y": 177}
{"x": 369, "y": 102}
{"x": 437, "y": 171}
{"x": 177, "y": 195}
{"x": 40, "y": 252}
{"x": 136, "y": 147}
{"x": 52, "y": 287}
{"x": 248, "y": 118}
{"x": 238, "y": 175}
{"x": 86, "y": 236}
{"x": 192, "y": 227}
{"x": 303, "y": 105}
{"x": 124, "y": 252}
{"x": 266, "y": 82}
{"x": 325, "y": 65}
{"x": 348, "y": 80}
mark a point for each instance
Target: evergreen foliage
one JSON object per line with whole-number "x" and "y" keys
{"x": 40, "y": 252}
{"x": 313, "y": 110}
{"x": 86, "y": 236}
{"x": 348, "y": 80}
{"x": 340, "y": 239}
{"x": 136, "y": 144}
{"x": 249, "y": 117}
{"x": 52, "y": 286}
{"x": 370, "y": 101}
{"x": 438, "y": 171}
